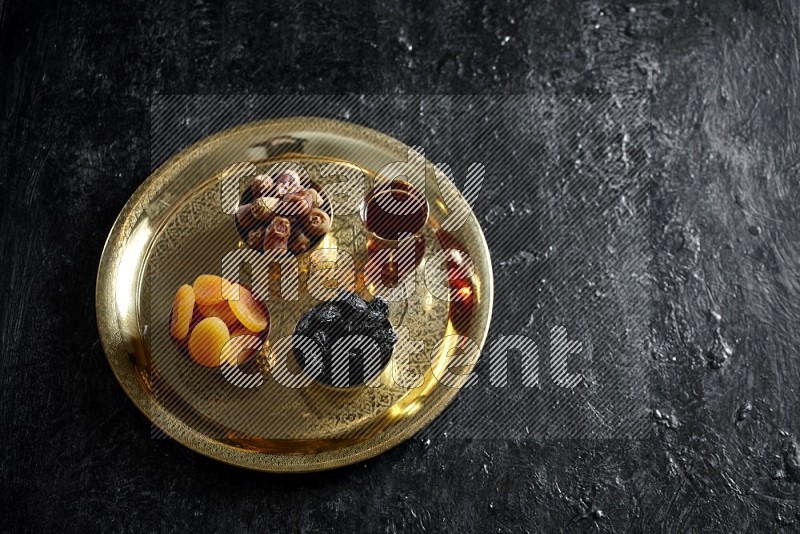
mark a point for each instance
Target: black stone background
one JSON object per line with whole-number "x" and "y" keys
{"x": 720, "y": 80}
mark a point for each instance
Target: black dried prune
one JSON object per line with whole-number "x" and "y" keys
{"x": 369, "y": 321}
{"x": 321, "y": 339}
{"x": 328, "y": 313}
{"x": 304, "y": 324}
{"x": 386, "y": 334}
{"x": 352, "y": 301}
{"x": 386, "y": 349}
{"x": 380, "y": 305}
{"x": 332, "y": 322}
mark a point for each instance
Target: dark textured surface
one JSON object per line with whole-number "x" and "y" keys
{"x": 721, "y": 80}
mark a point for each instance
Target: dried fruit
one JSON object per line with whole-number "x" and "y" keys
{"x": 283, "y": 189}
{"x": 363, "y": 332}
{"x": 221, "y": 310}
{"x": 250, "y": 312}
{"x": 321, "y": 339}
{"x": 328, "y": 313}
{"x": 276, "y": 236}
{"x": 294, "y": 205}
{"x": 315, "y": 198}
{"x": 304, "y": 324}
{"x": 207, "y": 340}
{"x": 255, "y": 238}
{"x": 209, "y": 289}
{"x": 261, "y": 185}
{"x": 299, "y": 242}
{"x": 380, "y": 305}
{"x": 351, "y": 302}
{"x": 240, "y": 330}
{"x": 386, "y": 335}
{"x": 205, "y": 317}
{"x": 240, "y": 348}
{"x": 318, "y": 223}
{"x": 282, "y": 196}
{"x": 264, "y": 208}
{"x": 290, "y": 177}
{"x": 245, "y": 217}
{"x": 182, "y": 311}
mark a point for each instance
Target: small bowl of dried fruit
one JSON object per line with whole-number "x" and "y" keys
{"x": 216, "y": 321}
{"x": 282, "y": 211}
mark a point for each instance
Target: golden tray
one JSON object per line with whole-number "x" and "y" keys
{"x": 176, "y": 227}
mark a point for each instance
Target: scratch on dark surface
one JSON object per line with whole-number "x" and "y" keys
{"x": 791, "y": 460}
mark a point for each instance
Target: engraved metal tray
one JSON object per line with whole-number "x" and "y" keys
{"x": 176, "y": 226}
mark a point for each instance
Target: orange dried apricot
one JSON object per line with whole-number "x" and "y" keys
{"x": 221, "y": 310}
{"x": 182, "y": 311}
{"x": 250, "y": 312}
{"x": 207, "y": 341}
{"x": 209, "y": 289}
{"x": 240, "y": 348}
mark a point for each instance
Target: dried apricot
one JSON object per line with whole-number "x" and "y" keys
{"x": 250, "y": 312}
{"x": 240, "y": 348}
{"x": 182, "y": 310}
{"x": 221, "y": 310}
{"x": 209, "y": 288}
{"x": 207, "y": 341}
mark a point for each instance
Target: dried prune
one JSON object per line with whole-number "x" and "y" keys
{"x": 387, "y": 334}
{"x": 352, "y": 301}
{"x": 328, "y": 313}
{"x": 321, "y": 339}
{"x": 304, "y": 324}
{"x": 380, "y": 305}
{"x": 360, "y": 332}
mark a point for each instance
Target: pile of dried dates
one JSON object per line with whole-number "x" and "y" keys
{"x": 281, "y": 213}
